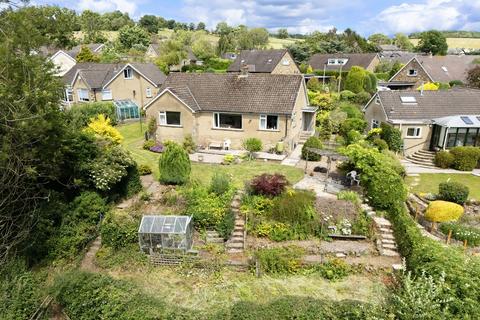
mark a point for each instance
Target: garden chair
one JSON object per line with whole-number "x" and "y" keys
{"x": 226, "y": 144}
{"x": 353, "y": 177}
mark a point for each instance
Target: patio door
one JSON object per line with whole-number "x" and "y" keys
{"x": 307, "y": 121}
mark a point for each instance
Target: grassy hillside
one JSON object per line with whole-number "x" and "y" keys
{"x": 473, "y": 43}
{"x": 273, "y": 43}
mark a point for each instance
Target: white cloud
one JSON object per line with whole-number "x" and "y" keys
{"x": 129, "y": 6}
{"x": 296, "y": 16}
{"x": 425, "y": 15}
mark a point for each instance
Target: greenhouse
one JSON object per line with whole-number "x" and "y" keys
{"x": 126, "y": 110}
{"x": 158, "y": 233}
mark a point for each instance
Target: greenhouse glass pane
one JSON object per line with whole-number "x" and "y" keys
{"x": 169, "y": 225}
{"x": 158, "y": 225}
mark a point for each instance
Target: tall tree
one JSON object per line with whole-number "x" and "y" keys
{"x": 282, "y": 33}
{"x": 130, "y": 36}
{"x": 31, "y": 129}
{"x": 201, "y": 26}
{"x": 434, "y": 42}
{"x": 149, "y": 23}
{"x": 86, "y": 55}
{"x": 379, "y": 38}
{"x": 92, "y": 25}
{"x": 402, "y": 41}
{"x": 116, "y": 20}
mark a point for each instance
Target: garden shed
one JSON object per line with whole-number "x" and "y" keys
{"x": 160, "y": 233}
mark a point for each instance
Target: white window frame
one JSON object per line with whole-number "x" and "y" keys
{"x": 68, "y": 95}
{"x": 128, "y": 73}
{"x": 148, "y": 92}
{"x": 80, "y": 95}
{"x": 416, "y": 130}
{"x": 377, "y": 99}
{"x": 332, "y": 62}
{"x": 263, "y": 120}
{"x": 107, "y": 94}
{"x": 415, "y": 73}
{"x": 216, "y": 119}
{"x": 375, "y": 124}
{"x": 162, "y": 119}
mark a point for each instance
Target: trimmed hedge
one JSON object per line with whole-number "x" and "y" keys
{"x": 443, "y": 211}
{"x": 312, "y": 142}
{"x": 444, "y": 159}
{"x": 453, "y": 192}
{"x": 465, "y": 158}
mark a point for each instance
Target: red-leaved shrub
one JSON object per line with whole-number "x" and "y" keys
{"x": 268, "y": 184}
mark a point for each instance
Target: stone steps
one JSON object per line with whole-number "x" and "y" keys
{"x": 423, "y": 158}
{"x": 214, "y": 237}
{"x": 385, "y": 239}
{"x": 236, "y": 243}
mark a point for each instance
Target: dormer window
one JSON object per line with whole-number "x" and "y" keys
{"x": 337, "y": 62}
{"x": 127, "y": 73}
{"x": 377, "y": 99}
{"x": 412, "y": 72}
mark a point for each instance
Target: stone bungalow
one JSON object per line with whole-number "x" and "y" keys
{"x": 134, "y": 82}
{"x": 423, "y": 69}
{"x": 274, "y": 61}
{"x": 429, "y": 120}
{"x": 228, "y": 108}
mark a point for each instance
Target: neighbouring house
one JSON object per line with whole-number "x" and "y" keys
{"x": 225, "y": 109}
{"x": 274, "y": 61}
{"x": 153, "y": 52}
{"x": 428, "y": 68}
{"x": 344, "y": 61}
{"x": 428, "y": 120}
{"x": 64, "y": 60}
{"x": 133, "y": 83}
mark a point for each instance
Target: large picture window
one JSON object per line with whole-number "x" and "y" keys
{"x": 227, "y": 120}
{"x": 169, "y": 118}
{"x": 83, "y": 95}
{"x": 107, "y": 94}
{"x": 268, "y": 122}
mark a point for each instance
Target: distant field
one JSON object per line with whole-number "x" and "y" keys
{"x": 273, "y": 43}
{"x": 473, "y": 43}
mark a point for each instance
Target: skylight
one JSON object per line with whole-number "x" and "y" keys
{"x": 408, "y": 99}
{"x": 444, "y": 69}
{"x": 466, "y": 120}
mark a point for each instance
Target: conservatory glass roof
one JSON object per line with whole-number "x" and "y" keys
{"x": 460, "y": 121}
{"x": 164, "y": 224}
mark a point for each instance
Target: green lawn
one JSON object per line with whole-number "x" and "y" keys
{"x": 428, "y": 182}
{"x": 133, "y": 141}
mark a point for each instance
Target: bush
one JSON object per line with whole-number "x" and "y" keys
{"x": 79, "y": 114}
{"x": 189, "y": 144}
{"x": 86, "y": 295}
{"x": 295, "y": 207}
{"x": 119, "y": 229}
{"x": 280, "y": 260}
{"x": 148, "y": 144}
{"x": 465, "y": 158}
{"x": 453, "y": 192}
{"x": 268, "y": 184}
{"x": 144, "y": 170}
{"x": 352, "y": 110}
{"x": 443, "y": 211}
{"x": 312, "y": 142}
{"x": 128, "y": 186}
{"x": 351, "y": 196}
{"x": 174, "y": 165}
{"x": 334, "y": 269}
{"x": 444, "y": 159}
{"x": 252, "y": 145}
{"x": 380, "y": 144}
{"x": 102, "y": 128}
{"x": 347, "y": 95}
{"x": 392, "y": 136}
{"x": 362, "y": 97}
{"x": 352, "y": 124}
{"x": 454, "y": 83}
{"x": 228, "y": 159}
{"x": 220, "y": 183}
{"x": 355, "y": 79}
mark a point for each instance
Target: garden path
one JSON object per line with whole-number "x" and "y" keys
{"x": 412, "y": 169}
{"x": 88, "y": 261}
{"x": 317, "y": 186}
{"x": 293, "y": 158}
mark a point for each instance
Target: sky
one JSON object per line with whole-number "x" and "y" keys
{"x": 364, "y": 16}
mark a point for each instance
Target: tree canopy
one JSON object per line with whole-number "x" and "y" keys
{"x": 433, "y": 42}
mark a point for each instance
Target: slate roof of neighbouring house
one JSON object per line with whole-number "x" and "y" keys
{"x": 94, "y": 47}
{"x": 258, "y": 61}
{"x": 231, "y": 92}
{"x": 389, "y": 47}
{"x": 318, "y": 60}
{"x": 456, "y": 66}
{"x": 430, "y": 105}
{"x": 400, "y": 56}
{"x": 97, "y": 75}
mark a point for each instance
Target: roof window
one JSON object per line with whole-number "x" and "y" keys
{"x": 444, "y": 69}
{"x": 408, "y": 100}
{"x": 466, "y": 120}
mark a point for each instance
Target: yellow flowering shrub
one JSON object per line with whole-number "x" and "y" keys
{"x": 429, "y": 86}
{"x": 443, "y": 211}
{"x": 102, "y": 128}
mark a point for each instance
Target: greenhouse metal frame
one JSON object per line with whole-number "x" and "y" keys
{"x": 160, "y": 233}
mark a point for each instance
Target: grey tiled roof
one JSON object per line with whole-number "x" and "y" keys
{"x": 230, "y": 92}
{"x": 261, "y": 61}
{"x": 76, "y": 50}
{"x": 318, "y": 60}
{"x": 96, "y": 75}
{"x": 456, "y": 66}
{"x": 430, "y": 105}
